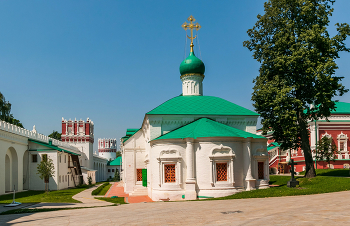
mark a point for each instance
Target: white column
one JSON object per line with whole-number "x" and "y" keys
{"x": 250, "y": 181}
{"x": 190, "y": 193}
{"x": 189, "y": 160}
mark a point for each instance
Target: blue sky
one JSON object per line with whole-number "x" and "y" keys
{"x": 113, "y": 61}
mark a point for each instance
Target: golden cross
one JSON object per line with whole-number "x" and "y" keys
{"x": 191, "y": 26}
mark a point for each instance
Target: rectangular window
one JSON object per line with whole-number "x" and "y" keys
{"x": 59, "y": 180}
{"x": 169, "y": 173}
{"x": 139, "y": 174}
{"x": 261, "y": 170}
{"x": 341, "y": 146}
{"x": 221, "y": 171}
{"x": 44, "y": 157}
{"x": 35, "y": 158}
{"x": 109, "y": 170}
{"x": 112, "y": 170}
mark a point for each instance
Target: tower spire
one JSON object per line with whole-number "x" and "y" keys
{"x": 191, "y": 26}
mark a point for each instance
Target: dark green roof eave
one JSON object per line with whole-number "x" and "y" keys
{"x": 52, "y": 147}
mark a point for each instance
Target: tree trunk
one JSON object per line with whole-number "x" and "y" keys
{"x": 305, "y": 146}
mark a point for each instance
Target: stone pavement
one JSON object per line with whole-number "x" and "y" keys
{"x": 117, "y": 189}
{"x": 321, "y": 209}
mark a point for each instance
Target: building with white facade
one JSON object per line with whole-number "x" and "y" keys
{"x": 21, "y": 150}
{"x": 194, "y": 145}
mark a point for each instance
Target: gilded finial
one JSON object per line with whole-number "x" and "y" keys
{"x": 191, "y": 26}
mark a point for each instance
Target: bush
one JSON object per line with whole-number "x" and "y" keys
{"x": 99, "y": 189}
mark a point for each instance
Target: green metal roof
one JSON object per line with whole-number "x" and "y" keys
{"x": 205, "y": 127}
{"x": 129, "y": 133}
{"x": 116, "y": 162}
{"x": 51, "y": 146}
{"x": 272, "y": 146}
{"x": 341, "y": 108}
{"x": 200, "y": 105}
{"x": 192, "y": 65}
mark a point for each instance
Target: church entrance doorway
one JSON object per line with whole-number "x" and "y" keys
{"x": 11, "y": 170}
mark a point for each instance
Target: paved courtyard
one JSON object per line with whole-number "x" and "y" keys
{"x": 321, "y": 209}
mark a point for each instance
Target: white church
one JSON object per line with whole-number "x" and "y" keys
{"x": 194, "y": 146}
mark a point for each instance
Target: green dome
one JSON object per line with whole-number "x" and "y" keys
{"x": 192, "y": 65}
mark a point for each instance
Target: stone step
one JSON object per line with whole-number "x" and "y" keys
{"x": 139, "y": 191}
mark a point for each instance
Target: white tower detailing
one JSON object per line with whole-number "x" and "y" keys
{"x": 107, "y": 148}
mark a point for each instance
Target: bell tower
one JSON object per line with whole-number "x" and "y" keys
{"x": 80, "y": 134}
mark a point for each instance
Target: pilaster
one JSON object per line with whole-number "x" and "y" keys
{"x": 190, "y": 193}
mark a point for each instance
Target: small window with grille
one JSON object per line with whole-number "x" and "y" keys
{"x": 169, "y": 173}
{"x": 221, "y": 171}
{"x": 139, "y": 174}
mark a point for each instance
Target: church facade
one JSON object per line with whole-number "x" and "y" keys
{"x": 194, "y": 146}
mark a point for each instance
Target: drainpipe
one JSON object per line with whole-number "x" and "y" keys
{"x": 315, "y": 143}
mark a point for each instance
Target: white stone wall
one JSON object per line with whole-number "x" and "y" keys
{"x": 166, "y": 153}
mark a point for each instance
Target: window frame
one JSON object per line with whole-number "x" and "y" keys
{"x": 170, "y": 156}
{"x": 222, "y": 154}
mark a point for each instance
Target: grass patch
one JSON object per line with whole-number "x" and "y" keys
{"x": 105, "y": 189}
{"x": 307, "y": 186}
{"x": 119, "y": 200}
{"x": 102, "y": 190}
{"x": 61, "y": 196}
{"x": 331, "y": 172}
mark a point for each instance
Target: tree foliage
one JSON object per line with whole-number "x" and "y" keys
{"x": 118, "y": 154}
{"x": 5, "y": 112}
{"x": 55, "y": 135}
{"x": 45, "y": 169}
{"x": 326, "y": 150}
{"x": 297, "y": 57}
{"x": 116, "y": 175}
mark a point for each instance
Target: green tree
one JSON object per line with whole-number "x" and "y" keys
{"x": 55, "y": 135}
{"x": 116, "y": 175}
{"x": 326, "y": 150}
{"x": 45, "y": 169}
{"x": 5, "y": 112}
{"x": 118, "y": 153}
{"x": 297, "y": 57}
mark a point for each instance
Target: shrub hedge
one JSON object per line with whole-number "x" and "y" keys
{"x": 99, "y": 189}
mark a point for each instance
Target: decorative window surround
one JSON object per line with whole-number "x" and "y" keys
{"x": 170, "y": 157}
{"x": 343, "y": 138}
{"x": 327, "y": 135}
{"x": 222, "y": 154}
